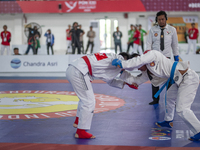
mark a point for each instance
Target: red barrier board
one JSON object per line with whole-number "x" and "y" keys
{"x": 81, "y": 6}
{"x": 94, "y": 6}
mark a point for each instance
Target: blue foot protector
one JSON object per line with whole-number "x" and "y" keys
{"x": 168, "y": 124}
{"x": 196, "y": 137}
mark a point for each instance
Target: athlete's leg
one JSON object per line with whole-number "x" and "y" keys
{"x": 83, "y": 88}
{"x": 186, "y": 94}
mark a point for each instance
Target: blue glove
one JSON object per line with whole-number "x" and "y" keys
{"x": 176, "y": 58}
{"x": 122, "y": 71}
{"x": 117, "y": 63}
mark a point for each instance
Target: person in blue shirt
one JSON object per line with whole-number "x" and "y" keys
{"x": 49, "y": 41}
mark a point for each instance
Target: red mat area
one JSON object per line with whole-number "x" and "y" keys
{"x": 34, "y": 146}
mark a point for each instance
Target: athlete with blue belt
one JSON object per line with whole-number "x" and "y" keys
{"x": 156, "y": 67}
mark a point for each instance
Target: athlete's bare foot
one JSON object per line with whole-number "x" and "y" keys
{"x": 75, "y": 125}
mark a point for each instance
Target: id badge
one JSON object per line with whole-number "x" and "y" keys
{"x": 5, "y": 39}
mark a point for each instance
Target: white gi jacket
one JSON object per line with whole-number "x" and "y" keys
{"x": 170, "y": 40}
{"x": 102, "y": 68}
{"x": 157, "y": 64}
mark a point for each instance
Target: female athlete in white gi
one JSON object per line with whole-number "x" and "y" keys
{"x": 156, "y": 67}
{"x": 80, "y": 72}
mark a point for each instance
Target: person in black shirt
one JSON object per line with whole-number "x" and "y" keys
{"x": 76, "y": 33}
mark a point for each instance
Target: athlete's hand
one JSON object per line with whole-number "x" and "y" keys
{"x": 117, "y": 63}
{"x": 133, "y": 85}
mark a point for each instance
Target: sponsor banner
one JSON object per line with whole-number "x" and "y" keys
{"x": 80, "y": 6}
{"x": 45, "y": 63}
{"x": 48, "y": 104}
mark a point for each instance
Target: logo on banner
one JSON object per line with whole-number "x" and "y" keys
{"x": 48, "y": 104}
{"x": 70, "y": 5}
{"x": 15, "y": 63}
{"x": 86, "y": 6}
{"x": 160, "y": 134}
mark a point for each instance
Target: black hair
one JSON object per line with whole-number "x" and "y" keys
{"x": 75, "y": 23}
{"x": 161, "y": 13}
{"x": 124, "y": 54}
{"x": 193, "y": 23}
{"x": 134, "y": 55}
{"x": 15, "y": 48}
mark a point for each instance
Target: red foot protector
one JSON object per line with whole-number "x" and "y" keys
{"x": 82, "y": 134}
{"x": 76, "y": 121}
{"x": 132, "y": 86}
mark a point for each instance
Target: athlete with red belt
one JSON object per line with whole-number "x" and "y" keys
{"x": 80, "y": 72}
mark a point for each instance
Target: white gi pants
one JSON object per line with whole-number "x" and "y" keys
{"x": 137, "y": 47}
{"x": 182, "y": 98}
{"x": 192, "y": 42}
{"x": 69, "y": 46}
{"x": 3, "y": 47}
{"x": 83, "y": 89}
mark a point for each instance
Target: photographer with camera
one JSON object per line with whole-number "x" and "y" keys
{"x": 76, "y": 33}
{"x": 32, "y": 42}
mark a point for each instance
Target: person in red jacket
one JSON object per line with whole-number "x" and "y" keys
{"x": 6, "y": 38}
{"x": 193, "y": 35}
{"x": 137, "y": 41}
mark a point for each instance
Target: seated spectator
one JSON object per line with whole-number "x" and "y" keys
{"x": 16, "y": 51}
{"x": 198, "y": 51}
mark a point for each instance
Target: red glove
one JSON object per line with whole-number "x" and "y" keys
{"x": 132, "y": 86}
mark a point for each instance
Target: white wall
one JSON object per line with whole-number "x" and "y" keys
{"x": 58, "y": 24}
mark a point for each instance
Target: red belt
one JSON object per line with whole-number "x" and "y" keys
{"x": 88, "y": 64}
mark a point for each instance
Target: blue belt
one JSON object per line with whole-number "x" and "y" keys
{"x": 170, "y": 80}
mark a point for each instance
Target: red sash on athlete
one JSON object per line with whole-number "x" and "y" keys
{"x": 88, "y": 64}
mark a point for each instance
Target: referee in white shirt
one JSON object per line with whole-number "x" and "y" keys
{"x": 163, "y": 38}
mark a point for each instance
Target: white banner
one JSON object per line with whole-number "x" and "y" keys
{"x": 18, "y": 63}
{"x": 59, "y": 63}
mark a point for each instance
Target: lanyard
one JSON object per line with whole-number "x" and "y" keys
{"x": 170, "y": 80}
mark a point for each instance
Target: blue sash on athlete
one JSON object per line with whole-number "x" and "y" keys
{"x": 170, "y": 80}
